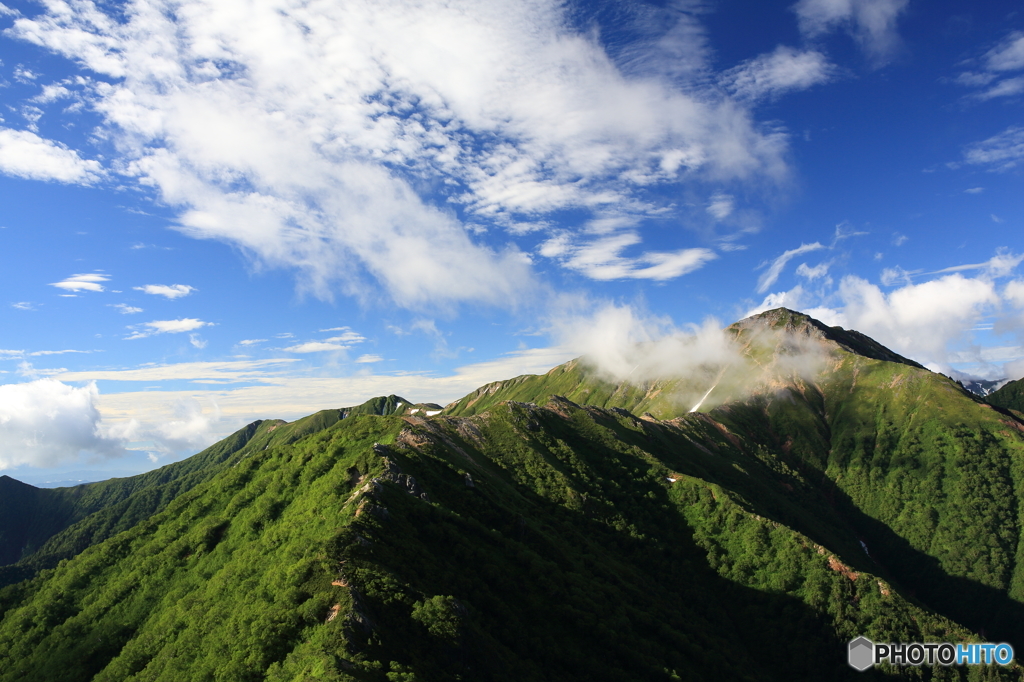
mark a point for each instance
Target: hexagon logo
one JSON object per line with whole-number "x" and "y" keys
{"x": 862, "y": 654}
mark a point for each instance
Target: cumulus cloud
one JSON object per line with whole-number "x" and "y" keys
{"x": 771, "y": 275}
{"x": 45, "y": 423}
{"x": 776, "y": 73}
{"x": 341, "y": 152}
{"x": 24, "y": 154}
{"x": 872, "y": 23}
{"x": 85, "y": 282}
{"x": 126, "y": 309}
{"x": 178, "y": 426}
{"x": 929, "y": 321}
{"x": 188, "y": 324}
{"x": 169, "y": 291}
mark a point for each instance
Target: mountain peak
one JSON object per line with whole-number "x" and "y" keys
{"x": 797, "y": 323}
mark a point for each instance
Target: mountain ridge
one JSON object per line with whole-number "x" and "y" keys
{"x": 549, "y": 537}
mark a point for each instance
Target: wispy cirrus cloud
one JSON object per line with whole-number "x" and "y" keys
{"x": 774, "y": 269}
{"x": 776, "y": 73}
{"x": 872, "y": 23}
{"x": 994, "y": 73}
{"x": 1001, "y": 152}
{"x": 602, "y": 258}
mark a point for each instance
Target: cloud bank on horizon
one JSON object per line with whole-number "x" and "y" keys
{"x": 435, "y": 169}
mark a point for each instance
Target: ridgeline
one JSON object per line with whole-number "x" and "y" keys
{"x": 559, "y": 527}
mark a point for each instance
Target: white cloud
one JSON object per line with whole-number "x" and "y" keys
{"x": 974, "y": 190}
{"x": 23, "y": 305}
{"x": 369, "y": 358}
{"x": 162, "y": 416}
{"x": 776, "y": 73}
{"x": 871, "y": 22}
{"x": 1008, "y": 55}
{"x": 1004, "y": 88}
{"x": 721, "y": 206}
{"x": 84, "y": 282}
{"x": 895, "y": 275}
{"x": 57, "y": 352}
{"x": 346, "y": 336}
{"x": 930, "y": 321}
{"x": 176, "y": 425}
{"x": 918, "y": 319}
{"x": 1000, "y": 152}
{"x": 170, "y": 291}
{"x": 818, "y": 271}
{"x": 197, "y": 341}
{"x": 315, "y": 347}
{"x": 313, "y": 155}
{"x": 219, "y": 372}
{"x": 602, "y": 258}
{"x": 993, "y": 80}
{"x": 126, "y": 309}
{"x": 24, "y": 154}
{"x": 775, "y": 268}
{"x": 250, "y": 342}
{"x": 1000, "y": 265}
{"x": 46, "y": 423}
{"x": 141, "y": 331}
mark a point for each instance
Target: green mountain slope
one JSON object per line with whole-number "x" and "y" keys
{"x": 39, "y": 527}
{"x": 844, "y": 491}
{"x": 528, "y": 543}
{"x": 1009, "y": 396}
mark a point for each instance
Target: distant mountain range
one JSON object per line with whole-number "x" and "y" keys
{"x": 742, "y": 521}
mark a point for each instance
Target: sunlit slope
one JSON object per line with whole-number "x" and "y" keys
{"x": 1009, "y": 396}
{"x": 39, "y": 527}
{"x": 557, "y": 543}
{"x": 929, "y": 476}
{"x": 768, "y": 348}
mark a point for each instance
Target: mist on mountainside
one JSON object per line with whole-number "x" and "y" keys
{"x": 706, "y": 363}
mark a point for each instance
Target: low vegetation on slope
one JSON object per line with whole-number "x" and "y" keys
{"x": 548, "y": 539}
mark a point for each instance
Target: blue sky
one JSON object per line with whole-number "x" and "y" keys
{"x": 214, "y": 212}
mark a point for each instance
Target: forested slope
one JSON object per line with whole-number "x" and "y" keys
{"x": 546, "y": 539}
